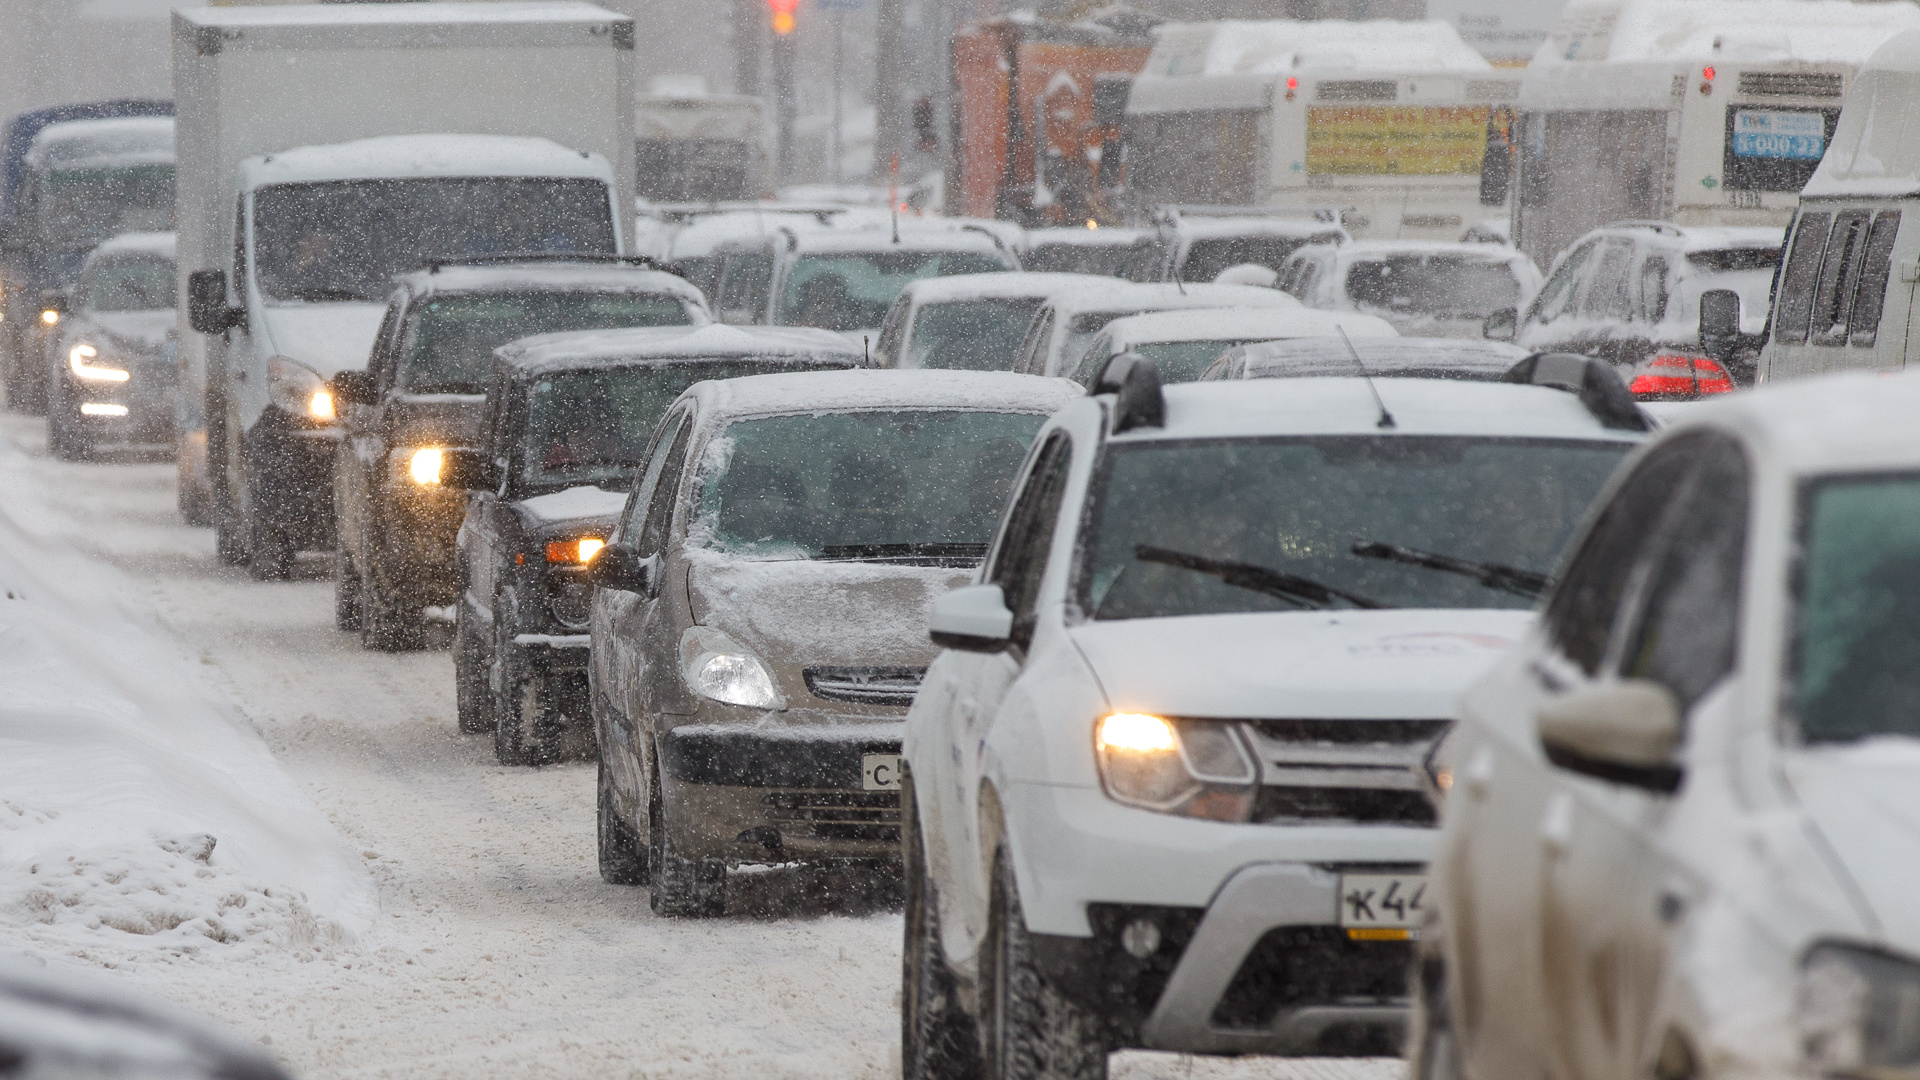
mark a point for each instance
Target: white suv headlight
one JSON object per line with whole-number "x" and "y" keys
{"x": 1196, "y": 768}
{"x": 1859, "y": 1012}
{"x": 84, "y": 361}
{"x": 296, "y": 388}
{"x": 717, "y": 667}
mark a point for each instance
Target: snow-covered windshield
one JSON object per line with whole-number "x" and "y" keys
{"x": 1852, "y": 667}
{"x": 449, "y": 340}
{"x": 131, "y": 284}
{"x": 1227, "y": 525}
{"x": 1206, "y": 258}
{"x": 852, "y": 290}
{"x": 1110, "y": 260}
{"x": 1183, "y": 361}
{"x": 591, "y": 427}
{"x": 914, "y": 485}
{"x": 1433, "y": 285}
{"x": 970, "y": 335}
{"x": 79, "y": 208}
{"x": 344, "y": 240}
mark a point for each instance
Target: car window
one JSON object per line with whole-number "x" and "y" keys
{"x": 653, "y": 531}
{"x": 845, "y": 291}
{"x": 1795, "y": 303}
{"x": 1607, "y": 295}
{"x": 970, "y": 335}
{"x": 1580, "y": 613}
{"x": 1653, "y": 289}
{"x": 1833, "y": 297}
{"x": 130, "y": 284}
{"x": 893, "y": 329}
{"x": 1020, "y": 557}
{"x": 1556, "y": 297}
{"x": 633, "y": 515}
{"x": 1871, "y": 293}
{"x": 1034, "y": 349}
{"x": 744, "y": 285}
{"x": 1686, "y": 630}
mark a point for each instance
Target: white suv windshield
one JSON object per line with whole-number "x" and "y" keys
{"x": 1230, "y": 525}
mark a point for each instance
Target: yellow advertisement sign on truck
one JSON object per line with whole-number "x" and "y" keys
{"x": 1387, "y": 140}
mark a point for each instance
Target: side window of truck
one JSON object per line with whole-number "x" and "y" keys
{"x": 1870, "y": 294}
{"x": 1794, "y": 307}
{"x": 1839, "y": 271}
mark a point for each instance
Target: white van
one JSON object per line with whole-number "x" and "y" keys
{"x": 1839, "y": 304}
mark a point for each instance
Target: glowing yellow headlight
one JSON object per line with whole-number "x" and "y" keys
{"x": 590, "y": 547}
{"x": 320, "y": 405}
{"x": 50, "y": 317}
{"x": 425, "y": 464}
{"x": 79, "y": 361}
{"x": 574, "y": 551}
{"x": 1138, "y": 732}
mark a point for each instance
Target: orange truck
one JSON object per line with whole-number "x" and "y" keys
{"x": 1053, "y": 94}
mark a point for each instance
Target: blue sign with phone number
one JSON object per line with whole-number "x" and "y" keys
{"x": 1779, "y": 146}
{"x": 1779, "y": 134}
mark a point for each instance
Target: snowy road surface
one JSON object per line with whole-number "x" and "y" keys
{"x": 455, "y": 926}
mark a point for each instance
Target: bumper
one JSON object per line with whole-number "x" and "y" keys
{"x": 747, "y": 793}
{"x": 555, "y": 654}
{"x": 415, "y": 557}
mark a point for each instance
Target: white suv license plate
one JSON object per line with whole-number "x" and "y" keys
{"x": 1382, "y": 906}
{"x": 880, "y": 772}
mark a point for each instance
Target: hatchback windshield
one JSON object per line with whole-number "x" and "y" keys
{"x": 344, "y": 240}
{"x": 1858, "y": 630}
{"x": 970, "y": 335}
{"x": 1433, "y": 285}
{"x": 1212, "y": 526}
{"x": 449, "y": 341}
{"x": 592, "y": 427}
{"x": 852, "y": 290}
{"x": 916, "y": 485}
{"x": 81, "y": 207}
{"x": 131, "y": 285}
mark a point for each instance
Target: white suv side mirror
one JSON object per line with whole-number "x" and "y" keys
{"x": 974, "y": 618}
{"x": 1625, "y": 732}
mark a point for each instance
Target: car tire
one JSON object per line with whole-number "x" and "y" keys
{"x": 192, "y": 504}
{"x": 269, "y": 550}
{"x": 1434, "y": 1049}
{"x": 519, "y": 698}
{"x": 623, "y": 858}
{"x": 679, "y": 886}
{"x": 346, "y": 591}
{"x": 1029, "y": 1031}
{"x": 938, "y": 1038}
{"x": 471, "y": 701}
{"x": 384, "y": 625}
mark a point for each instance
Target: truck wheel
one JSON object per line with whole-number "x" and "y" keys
{"x": 623, "y": 858}
{"x": 1031, "y": 1031}
{"x": 938, "y": 1039}
{"x": 694, "y": 888}
{"x": 346, "y": 592}
{"x": 471, "y": 702}
{"x": 384, "y": 625}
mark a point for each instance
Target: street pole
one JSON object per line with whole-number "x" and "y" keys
{"x": 839, "y": 83}
{"x": 783, "y": 108}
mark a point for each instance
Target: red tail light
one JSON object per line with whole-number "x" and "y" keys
{"x": 1679, "y": 378}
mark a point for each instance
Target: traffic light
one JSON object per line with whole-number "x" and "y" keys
{"x": 782, "y": 15}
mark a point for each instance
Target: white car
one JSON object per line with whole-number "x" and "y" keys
{"x": 1426, "y": 288}
{"x": 1066, "y": 324}
{"x": 1182, "y": 343}
{"x": 1163, "y": 789}
{"x": 968, "y": 322}
{"x": 1682, "y": 820}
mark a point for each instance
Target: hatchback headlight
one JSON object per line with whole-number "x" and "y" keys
{"x": 1196, "y": 768}
{"x": 1859, "y": 1012}
{"x": 83, "y": 361}
{"x": 296, "y": 388}
{"x": 718, "y": 668}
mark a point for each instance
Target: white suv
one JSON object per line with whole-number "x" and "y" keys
{"x": 1682, "y": 820}
{"x": 1164, "y": 787}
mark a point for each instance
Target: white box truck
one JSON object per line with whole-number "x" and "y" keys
{"x": 324, "y": 149}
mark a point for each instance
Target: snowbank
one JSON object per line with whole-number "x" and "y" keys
{"x": 139, "y": 816}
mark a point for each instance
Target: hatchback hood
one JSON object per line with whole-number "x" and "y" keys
{"x": 1331, "y": 665}
{"x": 324, "y": 337}
{"x": 145, "y": 331}
{"x": 433, "y": 419}
{"x": 805, "y": 612}
{"x": 578, "y": 506}
{"x": 1865, "y": 800}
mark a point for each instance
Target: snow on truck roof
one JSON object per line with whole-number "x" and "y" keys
{"x": 857, "y": 391}
{"x": 584, "y": 348}
{"x": 1873, "y": 153}
{"x": 1274, "y": 46}
{"x": 423, "y": 155}
{"x": 310, "y": 15}
{"x": 118, "y": 140}
{"x": 1239, "y": 324}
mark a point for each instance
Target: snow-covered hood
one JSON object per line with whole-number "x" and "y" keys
{"x": 1865, "y": 800}
{"x": 1411, "y": 664}
{"x": 144, "y": 331}
{"x": 800, "y": 612}
{"x": 324, "y": 337}
{"x": 436, "y": 419}
{"x": 576, "y": 506}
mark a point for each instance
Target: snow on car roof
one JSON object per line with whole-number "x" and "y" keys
{"x": 1858, "y": 421}
{"x": 1239, "y": 324}
{"x": 583, "y": 348}
{"x": 153, "y": 244}
{"x": 915, "y": 237}
{"x": 1135, "y": 297}
{"x": 1074, "y": 236}
{"x": 117, "y": 140}
{"x": 1333, "y": 356}
{"x": 851, "y": 391}
{"x": 423, "y": 155}
{"x": 1242, "y": 47}
{"x": 1359, "y": 250}
{"x": 1702, "y": 237}
{"x": 1871, "y": 155}
{"x": 306, "y": 15}
{"x": 1346, "y": 406}
{"x": 559, "y": 274}
{"x": 1010, "y": 283}
{"x": 1196, "y": 227}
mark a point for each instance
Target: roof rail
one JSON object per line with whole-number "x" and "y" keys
{"x": 1172, "y": 212}
{"x": 1593, "y": 381}
{"x": 1135, "y": 384}
{"x": 434, "y": 266}
{"x": 1666, "y": 227}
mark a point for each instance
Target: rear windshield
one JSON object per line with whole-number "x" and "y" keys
{"x": 1183, "y": 361}
{"x": 1206, "y": 258}
{"x": 131, "y": 285}
{"x": 1173, "y": 523}
{"x": 852, "y": 290}
{"x": 969, "y": 335}
{"x": 1111, "y": 260}
{"x": 909, "y": 485}
{"x": 1857, "y": 629}
{"x": 449, "y": 340}
{"x": 1443, "y": 285}
{"x": 591, "y": 427}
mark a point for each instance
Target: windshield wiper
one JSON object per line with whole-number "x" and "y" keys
{"x": 1305, "y": 592}
{"x": 1511, "y": 579}
{"x": 942, "y": 552}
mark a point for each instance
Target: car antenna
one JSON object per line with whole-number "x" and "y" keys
{"x": 1177, "y": 283}
{"x": 1386, "y": 418}
{"x": 866, "y": 351}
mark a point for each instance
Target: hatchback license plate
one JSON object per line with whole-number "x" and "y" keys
{"x": 880, "y": 772}
{"x": 1382, "y": 900}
